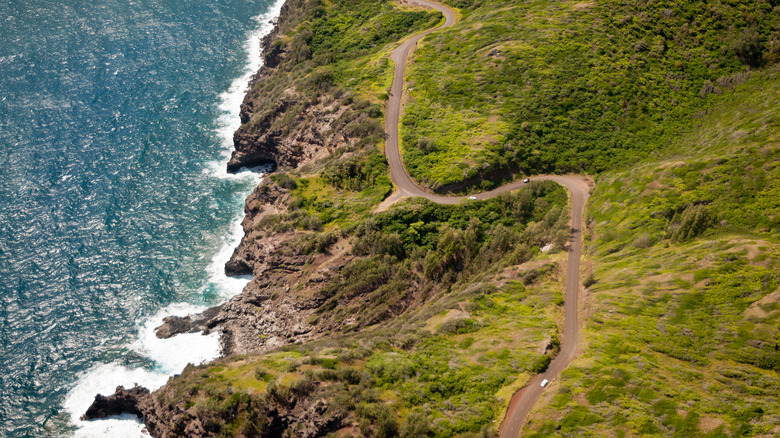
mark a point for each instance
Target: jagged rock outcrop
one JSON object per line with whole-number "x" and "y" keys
{"x": 201, "y": 322}
{"x": 310, "y": 417}
{"x": 289, "y": 123}
{"x": 313, "y": 133}
{"x": 266, "y": 199}
{"x": 268, "y": 313}
{"x": 122, "y": 401}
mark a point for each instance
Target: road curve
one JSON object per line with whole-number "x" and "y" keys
{"x": 401, "y": 179}
{"x": 523, "y": 401}
{"x": 579, "y": 186}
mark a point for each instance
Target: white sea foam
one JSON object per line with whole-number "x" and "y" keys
{"x": 172, "y": 355}
{"x": 227, "y": 287}
{"x": 230, "y": 101}
{"x": 168, "y": 355}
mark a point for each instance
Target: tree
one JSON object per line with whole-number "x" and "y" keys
{"x": 749, "y": 47}
{"x": 415, "y": 425}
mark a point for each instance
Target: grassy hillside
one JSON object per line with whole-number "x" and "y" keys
{"x": 571, "y": 86}
{"x": 439, "y": 315}
{"x": 427, "y": 318}
{"x": 683, "y": 325}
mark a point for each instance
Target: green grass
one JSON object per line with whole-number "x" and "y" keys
{"x": 668, "y": 360}
{"x": 431, "y": 321}
{"x": 398, "y": 373}
{"x": 537, "y": 87}
{"x": 682, "y": 337}
{"x": 436, "y": 314}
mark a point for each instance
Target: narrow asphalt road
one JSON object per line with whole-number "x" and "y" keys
{"x": 579, "y": 186}
{"x": 402, "y": 180}
{"x": 523, "y": 401}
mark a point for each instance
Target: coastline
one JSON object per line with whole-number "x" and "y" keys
{"x": 170, "y": 356}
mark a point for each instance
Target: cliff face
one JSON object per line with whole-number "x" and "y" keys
{"x": 281, "y": 122}
{"x": 272, "y": 419}
{"x": 311, "y": 138}
{"x": 297, "y": 114}
{"x": 269, "y": 313}
{"x": 166, "y": 414}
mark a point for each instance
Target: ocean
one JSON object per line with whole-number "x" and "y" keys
{"x": 116, "y": 123}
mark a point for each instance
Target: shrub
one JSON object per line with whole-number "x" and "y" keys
{"x": 540, "y": 364}
{"x": 329, "y": 363}
{"x": 261, "y": 374}
{"x": 749, "y": 47}
{"x": 390, "y": 368}
{"x": 590, "y": 280}
{"x": 643, "y": 241}
{"x": 460, "y": 326}
{"x": 284, "y": 180}
{"x": 324, "y": 241}
{"x": 692, "y": 222}
{"x": 415, "y": 425}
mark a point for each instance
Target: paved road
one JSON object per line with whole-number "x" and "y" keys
{"x": 523, "y": 401}
{"x": 402, "y": 180}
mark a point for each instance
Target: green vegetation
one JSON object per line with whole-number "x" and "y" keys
{"x": 330, "y": 68}
{"x": 413, "y": 378}
{"x": 683, "y": 336}
{"x": 439, "y": 310}
{"x": 335, "y": 46}
{"x": 432, "y": 316}
{"x": 538, "y": 87}
{"x": 414, "y": 251}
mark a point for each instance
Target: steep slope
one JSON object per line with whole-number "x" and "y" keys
{"x": 321, "y": 87}
{"x": 430, "y": 322}
{"x": 424, "y": 319}
{"x": 570, "y": 86}
{"x": 683, "y": 332}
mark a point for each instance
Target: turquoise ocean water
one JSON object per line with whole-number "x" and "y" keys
{"x": 116, "y": 119}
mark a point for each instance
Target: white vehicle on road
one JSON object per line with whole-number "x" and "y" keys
{"x": 545, "y": 382}
{"x": 473, "y": 198}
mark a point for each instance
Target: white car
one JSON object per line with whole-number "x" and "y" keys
{"x": 473, "y": 198}
{"x": 527, "y": 180}
{"x": 545, "y": 382}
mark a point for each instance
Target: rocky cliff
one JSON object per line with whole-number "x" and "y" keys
{"x": 269, "y": 313}
{"x": 287, "y": 121}
{"x": 296, "y": 116}
{"x": 167, "y": 415}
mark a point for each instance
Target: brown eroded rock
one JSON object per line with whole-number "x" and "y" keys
{"x": 122, "y": 401}
{"x": 269, "y": 312}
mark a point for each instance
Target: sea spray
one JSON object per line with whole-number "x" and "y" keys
{"x": 230, "y": 101}
{"x": 227, "y": 287}
{"x": 169, "y": 356}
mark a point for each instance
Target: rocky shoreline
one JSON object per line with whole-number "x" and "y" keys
{"x": 266, "y": 315}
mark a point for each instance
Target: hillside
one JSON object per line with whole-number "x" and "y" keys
{"x": 425, "y": 319}
{"x": 571, "y": 86}
{"x": 683, "y": 307}
{"x": 356, "y": 321}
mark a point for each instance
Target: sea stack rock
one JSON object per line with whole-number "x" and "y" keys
{"x": 123, "y": 401}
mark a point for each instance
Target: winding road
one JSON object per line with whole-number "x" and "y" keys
{"x": 578, "y": 186}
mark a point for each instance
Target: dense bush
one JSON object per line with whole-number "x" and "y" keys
{"x": 569, "y": 87}
{"x": 541, "y": 363}
{"x": 692, "y": 222}
{"x": 358, "y": 173}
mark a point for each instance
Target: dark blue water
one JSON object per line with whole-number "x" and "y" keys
{"x": 112, "y": 201}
